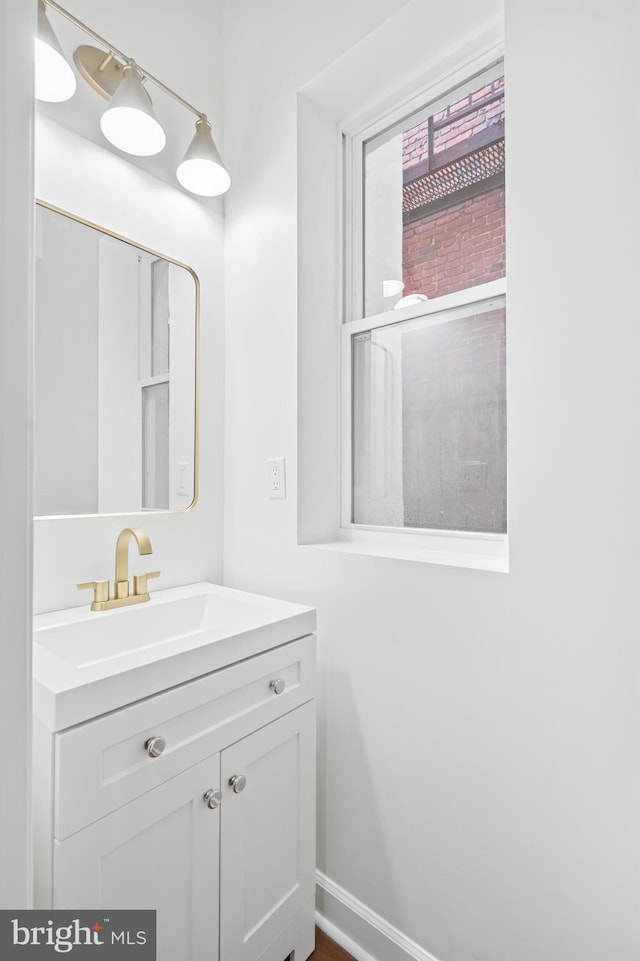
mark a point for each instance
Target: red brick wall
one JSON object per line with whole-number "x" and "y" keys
{"x": 455, "y": 248}
{"x": 464, "y": 245}
{"x": 415, "y": 147}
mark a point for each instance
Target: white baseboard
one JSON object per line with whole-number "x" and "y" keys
{"x": 358, "y": 929}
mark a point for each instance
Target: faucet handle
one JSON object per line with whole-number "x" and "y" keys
{"x": 140, "y": 582}
{"x": 100, "y": 592}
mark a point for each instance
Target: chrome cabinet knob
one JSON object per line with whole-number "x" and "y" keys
{"x": 238, "y": 782}
{"x": 155, "y": 746}
{"x": 277, "y": 686}
{"x": 212, "y": 797}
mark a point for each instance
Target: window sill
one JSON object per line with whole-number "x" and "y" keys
{"x": 475, "y": 552}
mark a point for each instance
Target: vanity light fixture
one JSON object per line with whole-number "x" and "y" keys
{"x": 202, "y": 171}
{"x": 129, "y": 122}
{"x": 55, "y": 79}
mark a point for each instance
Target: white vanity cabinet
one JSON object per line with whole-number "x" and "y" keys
{"x": 160, "y": 852}
{"x": 216, "y": 831}
{"x": 267, "y": 842}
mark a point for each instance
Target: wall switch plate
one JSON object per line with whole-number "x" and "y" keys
{"x": 276, "y": 478}
{"x": 182, "y": 470}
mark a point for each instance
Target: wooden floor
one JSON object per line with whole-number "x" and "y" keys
{"x": 328, "y": 950}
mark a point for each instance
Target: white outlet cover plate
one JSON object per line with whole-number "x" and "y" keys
{"x": 276, "y": 478}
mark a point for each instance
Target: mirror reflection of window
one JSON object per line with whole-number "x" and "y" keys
{"x": 160, "y": 317}
{"x": 154, "y": 322}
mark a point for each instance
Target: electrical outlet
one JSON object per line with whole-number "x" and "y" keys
{"x": 276, "y": 478}
{"x": 182, "y": 470}
{"x": 473, "y": 475}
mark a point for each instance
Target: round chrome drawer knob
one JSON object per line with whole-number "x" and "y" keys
{"x": 278, "y": 686}
{"x": 155, "y": 746}
{"x": 212, "y": 797}
{"x": 238, "y": 782}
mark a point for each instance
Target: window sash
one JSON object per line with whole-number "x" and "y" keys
{"x": 450, "y": 307}
{"x": 458, "y": 83}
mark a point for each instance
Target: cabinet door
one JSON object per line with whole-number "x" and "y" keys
{"x": 158, "y": 852}
{"x": 267, "y": 834}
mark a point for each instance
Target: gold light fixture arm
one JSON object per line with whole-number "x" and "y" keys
{"x": 113, "y": 51}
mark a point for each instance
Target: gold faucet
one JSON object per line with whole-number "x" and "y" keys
{"x": 121, "y": 596}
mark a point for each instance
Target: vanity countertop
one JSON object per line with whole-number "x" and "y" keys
{"x": 88, "y": 663}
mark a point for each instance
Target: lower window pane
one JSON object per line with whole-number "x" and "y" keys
{"x": 155, "y": 446}
{"x": 429, "y": 423}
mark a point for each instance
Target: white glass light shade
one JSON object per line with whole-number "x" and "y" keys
{"x": 202, "y": 171}
{"x": 55, "y": 79}
{"x": 129, "y": 122}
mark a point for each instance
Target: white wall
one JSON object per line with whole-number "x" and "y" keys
{"x": 117, "y": 371}
{"x": 478, "y": 732}
{"x": 182, "y": 45}
{"x": 17, "y": 24}
{"x": 66, "y": 367}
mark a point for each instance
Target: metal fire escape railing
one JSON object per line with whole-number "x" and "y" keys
{"x": 459, "y": 172}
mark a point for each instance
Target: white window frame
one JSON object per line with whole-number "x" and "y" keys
{"x": 465, "y": 548}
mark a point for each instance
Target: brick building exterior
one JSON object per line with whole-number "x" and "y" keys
{"x": 449, "y": 245}
{"x": 455, "y": 248}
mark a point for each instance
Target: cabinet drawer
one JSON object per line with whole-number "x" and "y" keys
{"x": 105, "y": 763}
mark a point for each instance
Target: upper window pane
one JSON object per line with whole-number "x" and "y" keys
{"x": 434, "y": 220}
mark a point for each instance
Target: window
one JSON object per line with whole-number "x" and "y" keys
{"x": 154, "y": 382}
{"x": 423, "y": 343}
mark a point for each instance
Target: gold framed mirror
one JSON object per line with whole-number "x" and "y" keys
{"x": 116, "y": 373}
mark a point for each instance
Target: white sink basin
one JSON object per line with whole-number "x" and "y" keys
{"x": 87, "y": 663}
